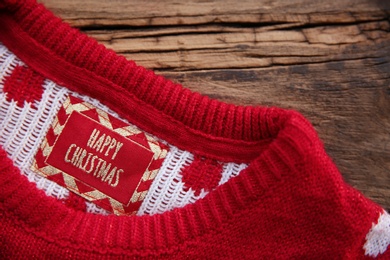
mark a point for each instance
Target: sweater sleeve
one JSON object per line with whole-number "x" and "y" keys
{"x": 378, "y": 238}
{"x": 356, "y": 218}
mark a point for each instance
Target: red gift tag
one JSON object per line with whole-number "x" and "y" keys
{"x": 99, "y": 157}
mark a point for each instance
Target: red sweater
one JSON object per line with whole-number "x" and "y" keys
{"x": 289, "y": 203}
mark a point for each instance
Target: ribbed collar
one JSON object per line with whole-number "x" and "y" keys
{"x": 273, "y": 141}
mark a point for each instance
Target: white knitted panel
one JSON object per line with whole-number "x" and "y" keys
{"x": 231, "y": 170}
{"x": 23, "y": 129}
{"x": 378, "y": 239}
{"x": 167, "y": 190}
{"x": 8, "y": 61}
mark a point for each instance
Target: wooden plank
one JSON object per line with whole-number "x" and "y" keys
{"x": 156, "y": 13}
{"x": 331, "y": 62}
{"x": 245, "y": 47}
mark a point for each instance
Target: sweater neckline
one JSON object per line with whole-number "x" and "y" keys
{"x": 271, "y": 140}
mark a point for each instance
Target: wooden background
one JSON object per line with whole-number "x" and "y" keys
{"x": 330, "y": 60}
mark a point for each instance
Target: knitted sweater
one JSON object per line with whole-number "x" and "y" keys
{"x": 103, "y": 159}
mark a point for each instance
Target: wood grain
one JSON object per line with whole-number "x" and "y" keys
{"x": 328, "y": 60}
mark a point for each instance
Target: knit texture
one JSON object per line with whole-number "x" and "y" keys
{"x": 250, "y": 182}
{"x": 23, "y": 144}
{"x": 202, "y": 174}
{"x": 23, "y": 85}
